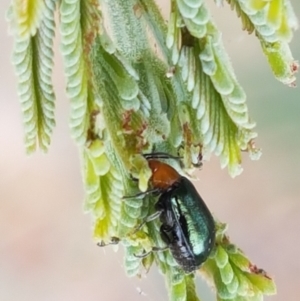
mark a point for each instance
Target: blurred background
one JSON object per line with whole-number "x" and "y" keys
{"x": 46, "y": 247}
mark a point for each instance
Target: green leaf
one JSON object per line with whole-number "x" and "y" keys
{"x": 33, "y": 59}
{"x": 104, "y": 189}
{"x": 217, "y": 103}
{"x": 274, "y": 22}
{"x": 79, "y": 26}
{"x": 238, "y": 279}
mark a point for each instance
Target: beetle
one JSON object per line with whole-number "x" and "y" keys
{"x": 188, "y": 227}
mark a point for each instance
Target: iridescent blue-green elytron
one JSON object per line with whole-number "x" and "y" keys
{"x": 188, "y": 227}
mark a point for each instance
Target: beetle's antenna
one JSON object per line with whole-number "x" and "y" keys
{"x": 161, "y": 155}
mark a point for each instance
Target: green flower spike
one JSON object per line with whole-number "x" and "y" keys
{"x": 138, "y": 84}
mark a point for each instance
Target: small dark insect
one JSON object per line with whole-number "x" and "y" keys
{"x": 188, "y": 228}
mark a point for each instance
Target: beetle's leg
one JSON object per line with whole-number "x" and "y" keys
{"x": 160, "y": 155}
{"x": 114, "y": 241}
{"x": 141, "y": 195}
{"x": 154, "y": 249}
{"x": 143, "y": 255}
{"x": 160, "y": 249}
{"x": 149, "y": 218}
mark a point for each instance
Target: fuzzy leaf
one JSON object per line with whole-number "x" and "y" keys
{"x": 238, "y": 279}
{"x": 79, "y": 25}
{"x": 104, "y": 197}
{"x": 218, "y": 102}
{"x": 274, "y": 22}
{"x": 33, "y": 59}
